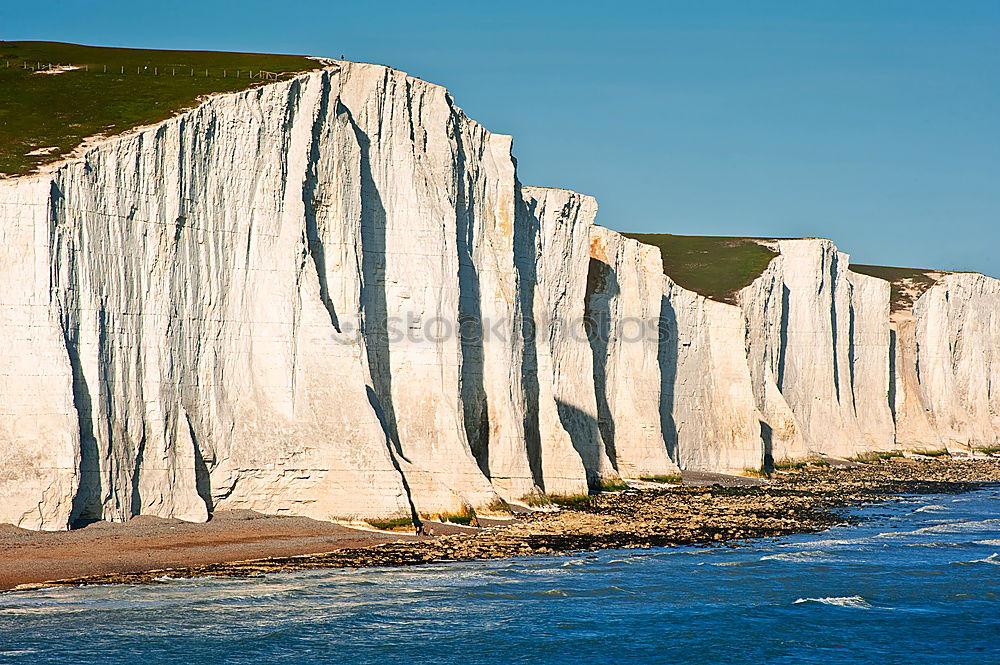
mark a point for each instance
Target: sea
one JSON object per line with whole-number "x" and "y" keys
{"x": 911, "y": 581}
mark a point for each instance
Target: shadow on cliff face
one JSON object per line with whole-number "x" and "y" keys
{"x": 526, "y": 265}
{"x": 87, "y": 500}
{"x": 892, "y": 374}
{"x": 475, "y": 407}
{"x": 767, "y": 438}
{"x": 374, "y": 306}
{"x": 666, "y": 355}
{"x": 585, "y": 436}
{"x": 86, "y": 507}
{"x": 834, "y": 327}
{"x": 783, "y": 337}
{"x": 202, "y": 476}
{"x": 309, "y": 194}
{"x": 602, "y": 286}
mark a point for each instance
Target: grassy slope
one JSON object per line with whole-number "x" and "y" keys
{"x": 43, "y": 110}
{"x": 907, "y": 284}
{"x": 715, "y": 267}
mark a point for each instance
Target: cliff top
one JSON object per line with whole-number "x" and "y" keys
{"x": 714, "y": 266}
{"x": 53, "y": 96}
{"x": 907, "y": 284}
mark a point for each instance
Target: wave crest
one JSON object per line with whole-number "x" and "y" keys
{"x": 854, "y": 602}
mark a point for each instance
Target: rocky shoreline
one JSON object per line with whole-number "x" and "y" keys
{"x": 800, "y": 501}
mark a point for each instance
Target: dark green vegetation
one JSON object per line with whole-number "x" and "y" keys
{"x": 466, "y": 520}
{"x": 573, "y": 501}
{"x": 871, "y": 457}
{"x": 907, "y": 284}
{"x": 393, "y": 525}
{"x": 537, "y": 500}
{"x": 715, "y": 267}
{"x": 933, "y": 453}
{"x": 114, "y": 91}
{"x": 499, "y": 506}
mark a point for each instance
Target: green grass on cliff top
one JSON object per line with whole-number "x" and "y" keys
{"x": 906, "y": 284}
{"x": 58, "y": 111}
{"x": 715, "y": 267}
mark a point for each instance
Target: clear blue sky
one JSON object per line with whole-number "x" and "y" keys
{"x": 872, "y": 122}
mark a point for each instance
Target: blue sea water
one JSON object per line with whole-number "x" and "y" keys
{"x": 917, "y": 581}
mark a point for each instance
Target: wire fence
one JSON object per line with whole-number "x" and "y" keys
{"x": 147, "y": 70}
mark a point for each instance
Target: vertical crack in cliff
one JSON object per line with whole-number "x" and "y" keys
{"x": 311, "y": 198}
{"x": 526, "y": 256}
{"x": 374, "y": 307}
{"x": 602, "y": 286}
{"x": 852, "y": 347}
{"x": 833, "y": 321}
{"x": 202, "y": 476}
{"x": 786, "y": 296}
{"x": 667, "y": 352}
{"x": 892, "y": 373}
{"x": 373, "y": 300}
{"x": 475, "y": 407}
{"x": 86, "y": 498}
{"x": 86, "y": 501}
{"x": 291, "y": 111}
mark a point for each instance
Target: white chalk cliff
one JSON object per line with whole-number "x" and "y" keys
{"x": 331, "y": 296}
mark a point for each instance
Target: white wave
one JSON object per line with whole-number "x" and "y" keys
{"x": 814, "y": 555}
{"x": 932, "y": 508}
{"x": 575, "y": 563}
{"x": 18, "y": 652}
{"x": 834, "y": 542}
{"x": 855, "y": 602}
{"x": 946, "y": 527}
{"x": 992, "y": 559}
{"x": 988, "y": 543}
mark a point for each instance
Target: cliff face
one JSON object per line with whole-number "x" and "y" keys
{"x": 332, "y": 297}
{"x": 625, "y": 293}
{"x": 818, "y": 343}
{"x": 316, "y": 297}
{"x": 946, "y": 366}
{"x": 559, "y": 380}
{"x": 39, "y": 434}
{"x": 708, "y": 402}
